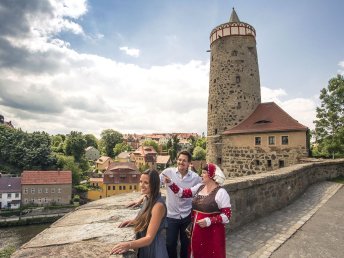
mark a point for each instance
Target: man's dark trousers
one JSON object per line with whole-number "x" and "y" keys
{"x": 177, "y": 227}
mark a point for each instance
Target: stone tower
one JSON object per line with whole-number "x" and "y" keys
{"x": 234, "y": 86}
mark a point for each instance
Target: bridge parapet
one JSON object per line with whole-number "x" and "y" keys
{"x": 92, "y": 230}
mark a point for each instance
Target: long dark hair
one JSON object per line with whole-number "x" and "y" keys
{"x": 141, "y": 222}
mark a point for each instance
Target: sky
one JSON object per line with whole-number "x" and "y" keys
{"x": 140, "y": 66}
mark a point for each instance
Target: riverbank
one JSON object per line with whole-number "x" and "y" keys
{"x": 12, "y": 238}
{"x": 35, "y": 216}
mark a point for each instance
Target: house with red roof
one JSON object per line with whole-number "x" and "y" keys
{"x": 46, "y": 187}
{"x": 120, "y": 177}
{"x": 10, "y": 192}
{"x": 144, "y": 156}
{"x": 266, "y": 140}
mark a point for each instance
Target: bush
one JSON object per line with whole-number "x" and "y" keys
{"x": 76, "y": 198}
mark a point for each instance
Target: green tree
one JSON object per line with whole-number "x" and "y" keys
{"x": 91, "y": 140}
{"x": 151, "y": 143}
{"x": 75, "y": 145}
{"x": 68, "y": 163}
{"x": 57, "y": 143}
{"x": 202, "y": 142}
{"x": 329, "y": 123}
{"x": 26, "y": 150}
{"x": 120, "y": 147}
{"x": 199, "y": 153}
{"x": 108, "y": 141}
{"x": 174, "y": 147}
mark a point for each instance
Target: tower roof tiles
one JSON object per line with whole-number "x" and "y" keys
{"x": 234, "y": 17}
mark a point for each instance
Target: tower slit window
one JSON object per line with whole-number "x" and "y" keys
{"x": 237, "y": 79}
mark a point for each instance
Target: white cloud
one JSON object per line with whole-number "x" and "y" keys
{"x": 48, "y": 86}
{"x": 301, "y": 109}
{"x": 130, "y": 51}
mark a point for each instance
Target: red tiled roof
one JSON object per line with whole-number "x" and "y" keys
{"x": 267, "y": 117}
{"x": 121, "y": 165}
{"x": 46, "y": 177}
{"x": 144, "y": 150}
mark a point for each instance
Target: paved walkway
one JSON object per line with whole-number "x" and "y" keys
{"x": 262, "y": 237}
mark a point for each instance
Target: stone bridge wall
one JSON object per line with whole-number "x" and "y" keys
{"x": 257, "y": 195}
{"x": 92, "y": 229}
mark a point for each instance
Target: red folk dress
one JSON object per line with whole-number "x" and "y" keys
{"x": 208, "y": 241}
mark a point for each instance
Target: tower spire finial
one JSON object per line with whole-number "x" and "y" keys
{"x": 234, "y": 17}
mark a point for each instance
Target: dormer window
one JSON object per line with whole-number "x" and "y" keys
{"x": 263, "y": 121}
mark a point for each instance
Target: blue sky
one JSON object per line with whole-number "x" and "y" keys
{"x": 142, "y": 66}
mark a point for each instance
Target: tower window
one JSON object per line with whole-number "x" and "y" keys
{"x": 257, "y": 140}
{"x": 237, "y": 79}
{"x": 219, "y": 161}
{"x": 234, "y": 53}
{"x": 257, "y": 162}
{"x": 215, "y": 131}
{"x": 281, "y": 163}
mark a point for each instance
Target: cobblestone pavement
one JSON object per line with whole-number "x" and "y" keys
{"x": 263, "y": 236}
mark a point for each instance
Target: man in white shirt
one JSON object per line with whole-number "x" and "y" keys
{"x": 179, "y": 209}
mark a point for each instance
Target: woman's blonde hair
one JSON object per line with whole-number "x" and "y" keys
{"x": 141, "y": 222}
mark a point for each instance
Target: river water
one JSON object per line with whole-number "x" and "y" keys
{"x": 17, "y": 236}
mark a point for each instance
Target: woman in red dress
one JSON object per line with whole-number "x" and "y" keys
{"x": 211, "y": 210}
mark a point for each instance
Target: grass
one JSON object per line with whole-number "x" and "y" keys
{"x": 7, "y": 251}
{"x": 339, "y": 179}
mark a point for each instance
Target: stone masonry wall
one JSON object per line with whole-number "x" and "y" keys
{"x": 257, "y": 195}
{"x": 243, "y": 161}
{"x": 92, "y": 230}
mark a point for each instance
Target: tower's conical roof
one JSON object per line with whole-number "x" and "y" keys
{"x": 234, "y": 17}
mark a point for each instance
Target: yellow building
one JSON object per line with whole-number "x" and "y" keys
{"x": 120, "y": 177}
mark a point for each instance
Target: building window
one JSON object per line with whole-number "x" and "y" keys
{"x": 135, "y": 187}
{"x": 258, "y": 140}
{"x": 271, "y": 140}
{"x": 52, "y": 190}
{"x": 269, "y": 163}
{"x": 234, "y": 53}
{"x": 58, "y": 199}
{"x": 130, "y": 187}
{"x": 219, "y": 161}
{"x": 9, "y": 195}
{"x": 215, "y": 131}
{"x": 281, "y": 163}
{"x": 39, "y": 200}
{"x": 45, "y": 199}
{"x": 26, "y": 190}
{"x": 120, "y": 187}
{"x": 59, "y": 190}
{"x": 237, "y": 79}
{"x": 17, "y": 195}
{"x": 113, "y": 187}
{"x": 26, "y": 200}
{"x": 39, "y": 190}
{"x": 46, "y": 190}
{"x": 257, "y": 162}
{"x": 32, "y": 190}
{"x": 123, "y": 187}
{"x": 285, "y": 140}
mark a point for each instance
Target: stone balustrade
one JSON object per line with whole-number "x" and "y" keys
{"x": 92, "y": 230}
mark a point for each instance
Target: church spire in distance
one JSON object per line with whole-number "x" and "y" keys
{"x": 234, "y": 17}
